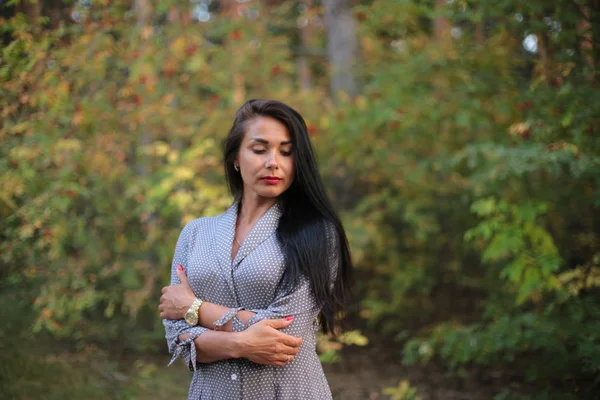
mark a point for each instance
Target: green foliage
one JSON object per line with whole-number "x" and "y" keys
{"x": 30, "y": 371}
{"x": 511, "y": 234}
{"x": 402, "y": 392}
{"x": 329, "y": 347}
{"x": 466, "y": 172}
{"x": 477, "y": 164}
{"x": 110, "y": 145}
{"x": 563, "y": 327}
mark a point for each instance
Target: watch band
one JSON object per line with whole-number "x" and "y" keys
{"x": 194, "y": 308}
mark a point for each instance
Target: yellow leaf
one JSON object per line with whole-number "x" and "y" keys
{"x": 178, "y": 47}
{"x": 183, "y": 173}
{"x": 361, "y": 103}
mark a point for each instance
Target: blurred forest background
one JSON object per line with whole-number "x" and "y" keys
{"x": 458, "y": 139}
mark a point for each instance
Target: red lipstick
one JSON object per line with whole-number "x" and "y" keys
{"x": 271, "y": 180}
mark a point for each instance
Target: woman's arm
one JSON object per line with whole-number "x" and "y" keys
{"x": 174, "y": 329}
{"x": 264, "y": 345}
{"x": 178, "y": 298}
{"x": 299, "y": 302}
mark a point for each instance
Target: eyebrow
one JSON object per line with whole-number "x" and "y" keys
{"x": 267, "y": 142}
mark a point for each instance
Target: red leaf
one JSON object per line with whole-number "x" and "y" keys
{"x": 528, "y": 105}
{"x": 170, "y": 72}
{"x": 276, "y": 70}
{"x": 191, "y": 50}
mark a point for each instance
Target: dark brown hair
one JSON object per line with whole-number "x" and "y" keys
{"x": 310, "y": 232}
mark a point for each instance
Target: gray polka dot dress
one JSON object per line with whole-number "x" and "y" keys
{"x": 249, "y": 282}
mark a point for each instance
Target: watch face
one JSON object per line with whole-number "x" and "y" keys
{"x": 191, "y": 318}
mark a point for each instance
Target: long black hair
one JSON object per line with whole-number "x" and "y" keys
{"x": 310, "y": 232}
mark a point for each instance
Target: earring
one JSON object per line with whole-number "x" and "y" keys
{"x": 237, "y": 168}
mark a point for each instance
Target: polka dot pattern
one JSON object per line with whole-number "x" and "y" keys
{"x": 250, "y": 281}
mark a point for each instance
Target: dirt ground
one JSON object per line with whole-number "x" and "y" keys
{"x": 364, "y": 372}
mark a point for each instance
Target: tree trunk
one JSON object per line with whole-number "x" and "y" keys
{"x": 32, "y": 9}
{"x": 305, "y": 34}
{"x": 594, "y": 21}
{"x": 234, "y": 9}
{"x": 480, "y": 33}
{"x": 342, "y": 46}
{"x": 143, "y": 12}
{"x": 57, "y": 11}
{"x": 584, "y": 34}
{"x": 441, "y": 25}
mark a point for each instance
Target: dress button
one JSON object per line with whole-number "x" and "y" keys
{"x": 233, "y": 377}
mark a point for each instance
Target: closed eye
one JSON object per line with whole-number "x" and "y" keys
{"x": 263, "y": 151}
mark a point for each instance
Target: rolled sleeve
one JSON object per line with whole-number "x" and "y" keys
{"x": 184, "y": 349}
{"x": 228, "y": 316}
{"x": 299, "y": 303}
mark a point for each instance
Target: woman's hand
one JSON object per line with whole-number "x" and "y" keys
{"x": 263, "y": 343}
{"x": 176, "y": 299}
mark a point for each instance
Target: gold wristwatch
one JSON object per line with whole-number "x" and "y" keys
{"x": 191, "y": 316}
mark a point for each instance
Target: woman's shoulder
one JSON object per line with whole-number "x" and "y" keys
{"x": 203, "y": 224}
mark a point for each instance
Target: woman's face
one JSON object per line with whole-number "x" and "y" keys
{"x": 266, "y": 158}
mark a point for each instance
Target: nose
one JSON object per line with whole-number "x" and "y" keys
{"x": 272, "y": 162}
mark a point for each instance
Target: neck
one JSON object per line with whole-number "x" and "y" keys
{"x": 254, "y": 207}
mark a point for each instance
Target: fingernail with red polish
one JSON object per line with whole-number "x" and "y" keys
{"x": 289, "y": 318}
{"x": 179, "y": 267}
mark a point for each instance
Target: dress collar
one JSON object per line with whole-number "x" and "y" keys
{"x": 262, "y": 230}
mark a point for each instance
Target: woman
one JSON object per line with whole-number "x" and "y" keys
{"x": 250, "y": 286}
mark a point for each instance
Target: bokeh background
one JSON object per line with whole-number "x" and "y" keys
{"x": 458, "y": 139}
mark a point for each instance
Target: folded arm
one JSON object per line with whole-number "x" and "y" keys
{"x": 264, "y": 344}
{"x": 178, "y": 297}
{"x": 298, "y": 303}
